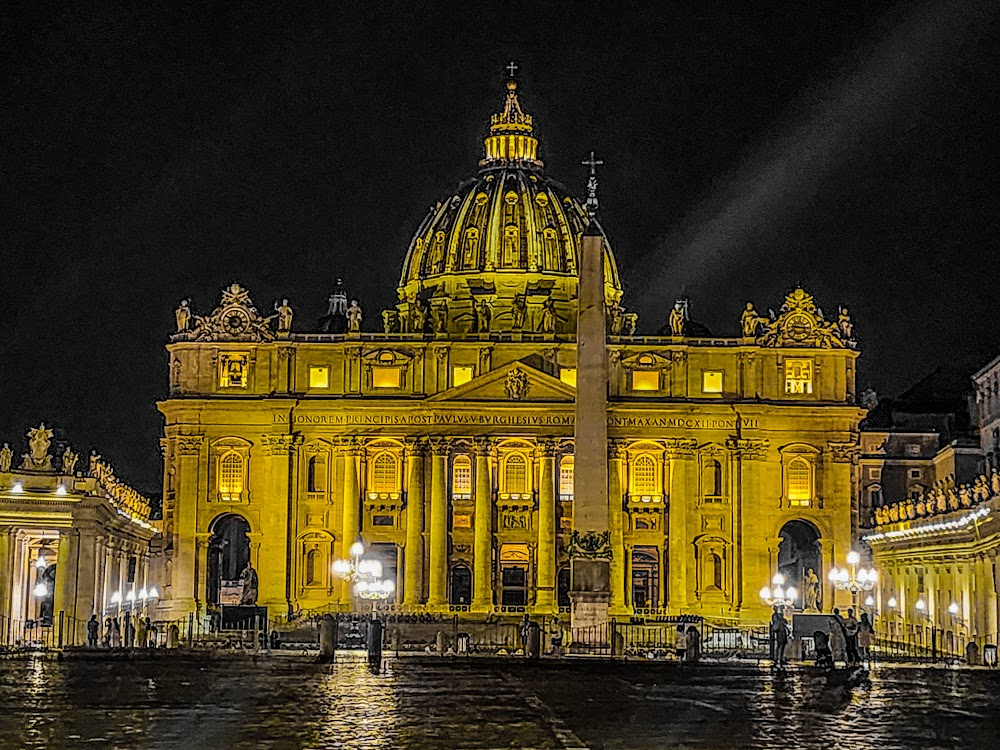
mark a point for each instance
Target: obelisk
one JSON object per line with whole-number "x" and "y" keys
{"x": 590, "y": 550}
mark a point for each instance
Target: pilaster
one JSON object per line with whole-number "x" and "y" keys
{"x": 546, "y": 576}
{"x": 350, "y": 450}
{"x": 482, "y": 546}
{"x": 681, "y": 454}
{"x": 616, "y": 524}
{"x": 274, "y": 575}
{"x": 438, "y": 593}
{"x": 413, "y": 575}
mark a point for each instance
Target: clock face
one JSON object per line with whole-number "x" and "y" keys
{"x": 798, "y": 327}
{"x": 236, "y": 321}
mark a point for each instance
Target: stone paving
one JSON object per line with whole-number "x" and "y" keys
{"x": 206, "y": 701}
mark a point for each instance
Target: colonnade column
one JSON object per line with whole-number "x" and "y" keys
{"x": 7, "y": 572}
{"x": 616, "y": 525}
{"x": 546, "y": 563}
{"x": 350, "y": 524}
{"x": 680, "y": 455}
{"x": 438, "y": 594}
{"x": 482, "y": 546}
{"x": 413, "y": 575}
{"x": 991, "y": 600}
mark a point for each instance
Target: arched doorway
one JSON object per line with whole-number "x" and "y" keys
{"x": 798, "y": 553}
{"x": 228, "y": 553}
{"x": 461, "y": 585}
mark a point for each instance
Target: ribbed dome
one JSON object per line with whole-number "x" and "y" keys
{"x": 510, "y": 237}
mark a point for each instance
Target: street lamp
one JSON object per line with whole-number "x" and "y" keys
{"x": 365, "y": 574}
{"x": 776, "y": 595}
{"x": 854, "y": 579}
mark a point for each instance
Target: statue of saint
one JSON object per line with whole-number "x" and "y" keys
{"x": 69, "y": 459}
{"x": 390, "y": 321}
{"x": 483, "y": 317}
{"x": 844, "y": 325}
{"x": 519, "y": 311}
{"x": 354, "y": 317}
{"x": 419, "y": 316}
{"x": 995, "y": 482}
{"x": 284, "y": 316}
{"x": 677, "y": 319}
{"x": 548, "y": 321}
{"x": 631, "y": 321}
{"x": 183, "y": 315}
{"x": 6, "y": 454}
{"x": 39, "y": 439}
{"x": 750, "y": 321}
{"x": 249, "y": 579}
{"x": 811, "y": 592}
{"x": 616, "y": 318}
{"x": 441, "y": 318}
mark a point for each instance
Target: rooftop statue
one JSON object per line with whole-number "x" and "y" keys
{"x": 183, "y": 315}
{"x": 235, "y": 319}
{"x": 284, "y": 316}
{"x": 69, "y": 460}
{"x": 354, "y": 317}
{"x": 483, "y": 317}
{"x": 750, "y": 321}
{"x": 6, "y": 454}
{"x": 548, "y": 320}
{"x": 38, "y": 458}
{"x": 678, "y": 317}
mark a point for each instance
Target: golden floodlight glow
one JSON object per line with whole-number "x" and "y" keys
{"x": 568, "y": 376}
{"x": 645, "y": 380}
{"x": 319, "y": 377}
{"x": 385, "y": 377}
{"x": 461, "y": 375}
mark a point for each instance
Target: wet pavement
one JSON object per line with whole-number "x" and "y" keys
{"x": 433, "y": 703}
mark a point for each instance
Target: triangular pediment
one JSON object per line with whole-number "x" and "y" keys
{"x": 513, "y": 383}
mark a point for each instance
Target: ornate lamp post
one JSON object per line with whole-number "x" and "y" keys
{"x": 366, "y": 575}
{"x": 776, "y": 595}
{"x": 853, "y": 578}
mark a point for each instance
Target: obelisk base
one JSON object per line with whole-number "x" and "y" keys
{"x": 590, "y": 597}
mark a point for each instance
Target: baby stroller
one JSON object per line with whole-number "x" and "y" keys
{"x": 824, "y": 656}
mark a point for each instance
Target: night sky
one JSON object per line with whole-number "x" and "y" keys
{"x": 166, "y": 153}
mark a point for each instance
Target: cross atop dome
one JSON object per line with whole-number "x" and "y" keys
{"x": 512, "y": 68}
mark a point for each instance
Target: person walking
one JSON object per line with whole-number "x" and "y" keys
{"x": 866, "y": 634}
{"x": 93, "y": 628}
{"x": 838, "y": 638}
{"x": 851, "y": 637}
{"x": 779, "y": 635}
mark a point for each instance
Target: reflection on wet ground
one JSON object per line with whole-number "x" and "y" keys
{"x": 284, "y": 702}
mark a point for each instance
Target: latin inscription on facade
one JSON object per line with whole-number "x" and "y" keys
{"x": 511, "y": 420}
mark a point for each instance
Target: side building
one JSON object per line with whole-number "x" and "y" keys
{"x": 75, "y": 541}
{"x": 445, "y": 441}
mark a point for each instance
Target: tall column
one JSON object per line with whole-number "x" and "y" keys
{"x": 350, "y": 524}
{"x": 67, "y": 560}
{"x": 482, "y": 544}
{"x": 438, "y": 593}
{"x": 991, "y": 600}
{"x": 681, "y": 456}
{"x": 274, "y": 567}
{"x": 590, "y": 548}
{"x": 192, "y": 461}
{"x": 616, "y": 524}
{"x": 546, "y": 567}
{"x": 413, "y": 576}
{"x": 6, "y": 576}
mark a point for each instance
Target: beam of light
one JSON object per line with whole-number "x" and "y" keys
{"x": 774, "y": 186}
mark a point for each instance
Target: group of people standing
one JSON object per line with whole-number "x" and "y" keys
{"x": 849, "y": 638}
{"x": 125, "y": 630}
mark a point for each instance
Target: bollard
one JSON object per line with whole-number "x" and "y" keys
{"x": 533, "y": 645}
{"x": 190, "y": 629}
{"x": 173, "y": 635}
{"x": 375, "y": 645}
{"x": 439, "y": 642}
{"x": 327, "y": 638}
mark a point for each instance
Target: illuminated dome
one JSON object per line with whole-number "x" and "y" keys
{"x": 509, "y": 238}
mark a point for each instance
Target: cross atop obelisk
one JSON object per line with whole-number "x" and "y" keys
{"x": 592, "y": 183}
{"x": 512, "y": 69}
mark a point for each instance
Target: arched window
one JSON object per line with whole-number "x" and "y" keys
{"x": 799, "y": 481}
{"x": 515, "y": 474}
{"x": 317, "y": 474}
{"x": 566, "y": 477}
{"x": 385, "y": 473}
{"x": 712, "y": 480}
{"x": 875, "y": 496}
{"x": 644, "y": 475}
{"x": 314, "y": 568}
{"x": 716, "y": 568}
{"x": 461, "y": 476}
{"x": 232, "y": 475}
{"x": 511, "y": 249}
{"x": 470, "y": 254}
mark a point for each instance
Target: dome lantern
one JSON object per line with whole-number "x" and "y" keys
{"x": 511, "y": 140}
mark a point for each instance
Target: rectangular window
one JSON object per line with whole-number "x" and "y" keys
{"x": 319, "y": 376}
{"x": 798, "y": 376}
{"x": 461, "y": 476}
{"x": 461, "y": 375}
{"x": 234, "y": 370}
{"x": 568, "y": 375}
{"x": 711, "y": 381}
{"x": 461, "y": 521}
{"x": 875, "y": 474}
{"x": 914, "y": 473}
{"x": 913, "y": 449}
{"x": 382, "y": 521}
{"x": 385, "y": 377}
{"x": 645, "y": 380}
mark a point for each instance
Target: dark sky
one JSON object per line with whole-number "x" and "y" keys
{"x": 165, "y": 153}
